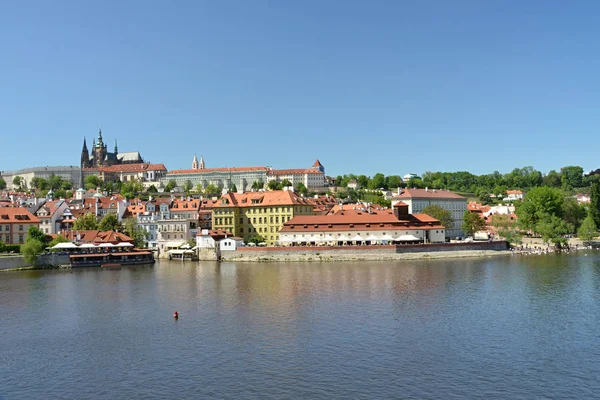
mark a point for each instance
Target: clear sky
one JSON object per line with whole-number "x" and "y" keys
{"x": 364, "y": 86}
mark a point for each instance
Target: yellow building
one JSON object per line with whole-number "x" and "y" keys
{"x": 258, "y": 213}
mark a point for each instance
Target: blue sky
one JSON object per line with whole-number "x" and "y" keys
{"x": 364, "y": 86}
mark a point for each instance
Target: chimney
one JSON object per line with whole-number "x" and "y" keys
{"x": 426, "y": 189}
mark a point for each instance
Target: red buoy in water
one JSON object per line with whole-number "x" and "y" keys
{"x": 175, "y": 315}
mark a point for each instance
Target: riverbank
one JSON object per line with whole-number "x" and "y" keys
{"x": 362, "y": 256}
{"x": 365, "y": 253}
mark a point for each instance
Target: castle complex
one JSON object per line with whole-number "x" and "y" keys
{"x": 99, "y": 155}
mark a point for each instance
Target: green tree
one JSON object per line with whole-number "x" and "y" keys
{"x": 588, "y": 230}
{"x": 58, "y": 239}
{"x": 233, "y": 188}
{"x": 256, "y": 239}
{"x": 31, "y": 249}
{"x": 363, "y": 181}
{"x": 34, "y": 233}
{"x": 86, "y": 222}
{"x": 378, "y": 181}
{"x": 442, "y": 215}
{"x": 393, "y": 181}
{"x": 170, "y": 185}
{"x": 139, "y": 235}
{"x": 595, "y": 203}
{"x": 2, "y": 183}
{"x": 286, "y": 183}
{"x": 300, "y": 188}
{"x": 92, "y": 182}
{"x": 552, "y": 179}
{"x": 571, "y": 177}
{"x": 484, "y": 197}
{"x": 553, "y": 229}
{"x": 152, "y": 189}
{"x": 507, "y": 228}
{"x": 257, "y": 185}
{"x": 274, "y": 185}
{"x": 55, "y": 182}
{"x": 538, "y": 203}
{"x": 18, "y": 181}
{"x": 39, "y": 183}
{"x": 187, "y": 187}
{"x": 472, "y": 222}
{"x": 573, "y": 213}
{"x": 110, "y": 222}
{"x": 212, "y": 190}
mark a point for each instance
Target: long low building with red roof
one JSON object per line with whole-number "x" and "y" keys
{"x": 352, "y": 227}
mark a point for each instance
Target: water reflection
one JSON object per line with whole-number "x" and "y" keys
{"x": 496, "y": 327}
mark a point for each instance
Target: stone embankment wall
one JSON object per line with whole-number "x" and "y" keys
{"x": 366, "y": 253}
{"x": 50, "y": 260}
{"x": 12, "y": 262}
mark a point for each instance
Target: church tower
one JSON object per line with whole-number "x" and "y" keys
{"x": 99, "y": 150}
{"x": 201, "y": 162}
{"x": 116, "y": 149}
{"x": 85, "y": 156}
{"x": 195, "y": 162}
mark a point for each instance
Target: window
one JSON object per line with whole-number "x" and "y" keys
{"x": 20, "y": 227}
{"x": 20, "y": 238}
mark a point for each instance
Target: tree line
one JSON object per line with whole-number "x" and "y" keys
{"x": 568, "y": 178}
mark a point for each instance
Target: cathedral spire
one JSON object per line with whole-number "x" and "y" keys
{"x": 195, "y": 162}
{"x": 116, "y": 150}
{"x": 100, "y": 136}
{"x": 201, "y": 162}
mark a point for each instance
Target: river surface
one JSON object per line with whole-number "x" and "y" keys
{"x": 495, "y": 328}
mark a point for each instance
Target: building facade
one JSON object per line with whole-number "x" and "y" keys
{"x": 418, "y": 199}
{"x": 68, "y": 173}
{"x": 14, "y": 224}
{"x": 312, "y": 178}
{"x": 100, "y": 156}
{"x": 352, "y": 227}
{"x": 243, "y": 178}
{"x": 263, "y": 214}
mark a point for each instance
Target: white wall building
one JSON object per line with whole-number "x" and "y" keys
{"x": 49, "y": 214}
{"x": 513, "y": 195}
{"x": 312, "y": 178}
{"x": 418, "y": 199}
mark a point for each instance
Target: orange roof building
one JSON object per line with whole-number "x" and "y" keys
{"x": 261, "y": 214}
{"x": 362, "y": 226}
{"x": 14, "y": 224}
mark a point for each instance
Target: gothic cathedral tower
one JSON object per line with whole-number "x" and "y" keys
{"x": 85, "y": 156}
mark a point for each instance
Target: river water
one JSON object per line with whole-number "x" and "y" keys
{"x": 494, "y": 328}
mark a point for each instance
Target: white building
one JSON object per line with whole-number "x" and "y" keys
{"x": 50, "y": 215}
{"x": 418, "y": 199}
{"x": 359, "y": 227}
{"x": 312, "y": 178}
{"x": 513, "y": 195}
{"x": 68, "y": 173}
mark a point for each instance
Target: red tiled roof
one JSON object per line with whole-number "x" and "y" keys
{"x": 258, "y": 199}
{"x": 293, "y": 171}
{"x": 317, "y": 164}
{"x": 359, "y": 222}
{"x": 208, "y": 170}
{"x": 428, "y": 193}
{"x": 514, "y": 192}
{"x": 17, "y": 215}
{"x": 140, "y": 167}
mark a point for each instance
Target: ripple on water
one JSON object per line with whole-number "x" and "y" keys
{"x": 490, "y": 328}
